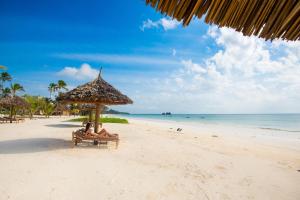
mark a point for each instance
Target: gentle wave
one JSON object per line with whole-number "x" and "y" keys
{"x": 278, "y": 129}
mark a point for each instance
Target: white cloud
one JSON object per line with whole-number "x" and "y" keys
{"x": 165, "y": 23}
{"x": 174, "y": 52}
{"x": 193, "y": 67}
{"x": 84, "y": 72}
{"x": 169, "y": 24}
{"x": 212, "y": 32}
{"x": 245, "y": 75}
{"x": 149, "y": 24}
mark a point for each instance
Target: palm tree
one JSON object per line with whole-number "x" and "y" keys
{"x": 15, "y": 88}
{"x": 6, "y": 92}
{"x": 35, "y": 104}
{"x": 52, "y": 88}
{"x": 47, "y": 107}
{"x": 61, "y": 85}
{"x": 4, "y": 77}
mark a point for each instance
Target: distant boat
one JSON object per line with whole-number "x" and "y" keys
{"x": 166, "y": 113}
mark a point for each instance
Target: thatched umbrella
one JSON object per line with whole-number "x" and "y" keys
{"x": 60, "y": 108}
{"x": 11, "y": 102}
{"x": 97, "y": 92}
{"x": 269, "y": 19}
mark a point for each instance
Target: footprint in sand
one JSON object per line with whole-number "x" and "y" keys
{"x": 222, "y": 168}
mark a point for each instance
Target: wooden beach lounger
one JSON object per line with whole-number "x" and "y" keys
{"x": 7, "y": 119}
{"x": 78, "y": 137}
{"x": 17, "y": 120}
{"x": 3, "y": 120}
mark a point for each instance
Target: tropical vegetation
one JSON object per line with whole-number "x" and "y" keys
{"x": 39, "y": 105}
{"x": 57, "y": 87}
{"x": 52, "y": 88}
{"x": 4, "y": 77}
{"x": 16, "y": 87}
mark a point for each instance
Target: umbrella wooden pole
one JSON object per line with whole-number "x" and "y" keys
{"x": 97, "y": 114}
{"x": 11, "y": 114}
{"x": 90, "y": 115}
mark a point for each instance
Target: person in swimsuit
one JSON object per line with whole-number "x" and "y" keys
{"x": 102, "y": 133}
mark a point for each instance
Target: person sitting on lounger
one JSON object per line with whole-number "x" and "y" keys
{"x": 102, "y": 133}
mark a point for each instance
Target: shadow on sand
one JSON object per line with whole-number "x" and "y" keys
{"x": 32, "y": 145}
{"x": 64, "y": 125}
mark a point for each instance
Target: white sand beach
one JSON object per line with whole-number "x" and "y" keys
{"x": 152, "y": 161}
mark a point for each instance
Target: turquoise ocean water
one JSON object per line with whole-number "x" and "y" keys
{"x": 276, "y": 122}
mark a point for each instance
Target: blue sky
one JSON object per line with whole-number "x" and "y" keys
{"x": 149, "y": 57}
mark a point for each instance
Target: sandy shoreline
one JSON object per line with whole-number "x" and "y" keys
{"x": 153, "y": 161}
{"x": 290, "y": 140}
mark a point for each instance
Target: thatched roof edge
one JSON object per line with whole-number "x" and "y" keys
{"x": 268, "y": 19}
{"x": 97, "y": 91}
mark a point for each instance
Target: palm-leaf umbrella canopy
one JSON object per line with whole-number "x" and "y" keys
{"x": 13, "y": 101}
{"x": 59, "y": 108}
{"x": 97, "y": 92}
{"x": 269, "y": 19}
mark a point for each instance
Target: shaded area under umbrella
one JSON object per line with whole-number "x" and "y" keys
{"x": 90, "y": 108}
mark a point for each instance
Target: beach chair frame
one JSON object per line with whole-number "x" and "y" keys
{"x": 76, "y": 139}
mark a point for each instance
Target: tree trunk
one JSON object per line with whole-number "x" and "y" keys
{"x": 90, "y": 115}
{"x": 11, "y": 114}
{"x": 97, "y": 117}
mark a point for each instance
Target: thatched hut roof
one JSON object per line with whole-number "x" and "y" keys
{"x": 97, "y": 91}
{"x": 13, "y": 101}
{"x": 269, "y": 19}
{"x": 61, "y": 107}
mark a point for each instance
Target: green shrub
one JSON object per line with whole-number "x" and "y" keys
{"x": 103, "y": 120}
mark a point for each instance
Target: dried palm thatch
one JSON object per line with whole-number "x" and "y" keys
{"x": 97, "y": 92}
{"x": 60, "y": 108}
{"x": 13, "y": 101}
{"x": 268, "y": 19}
